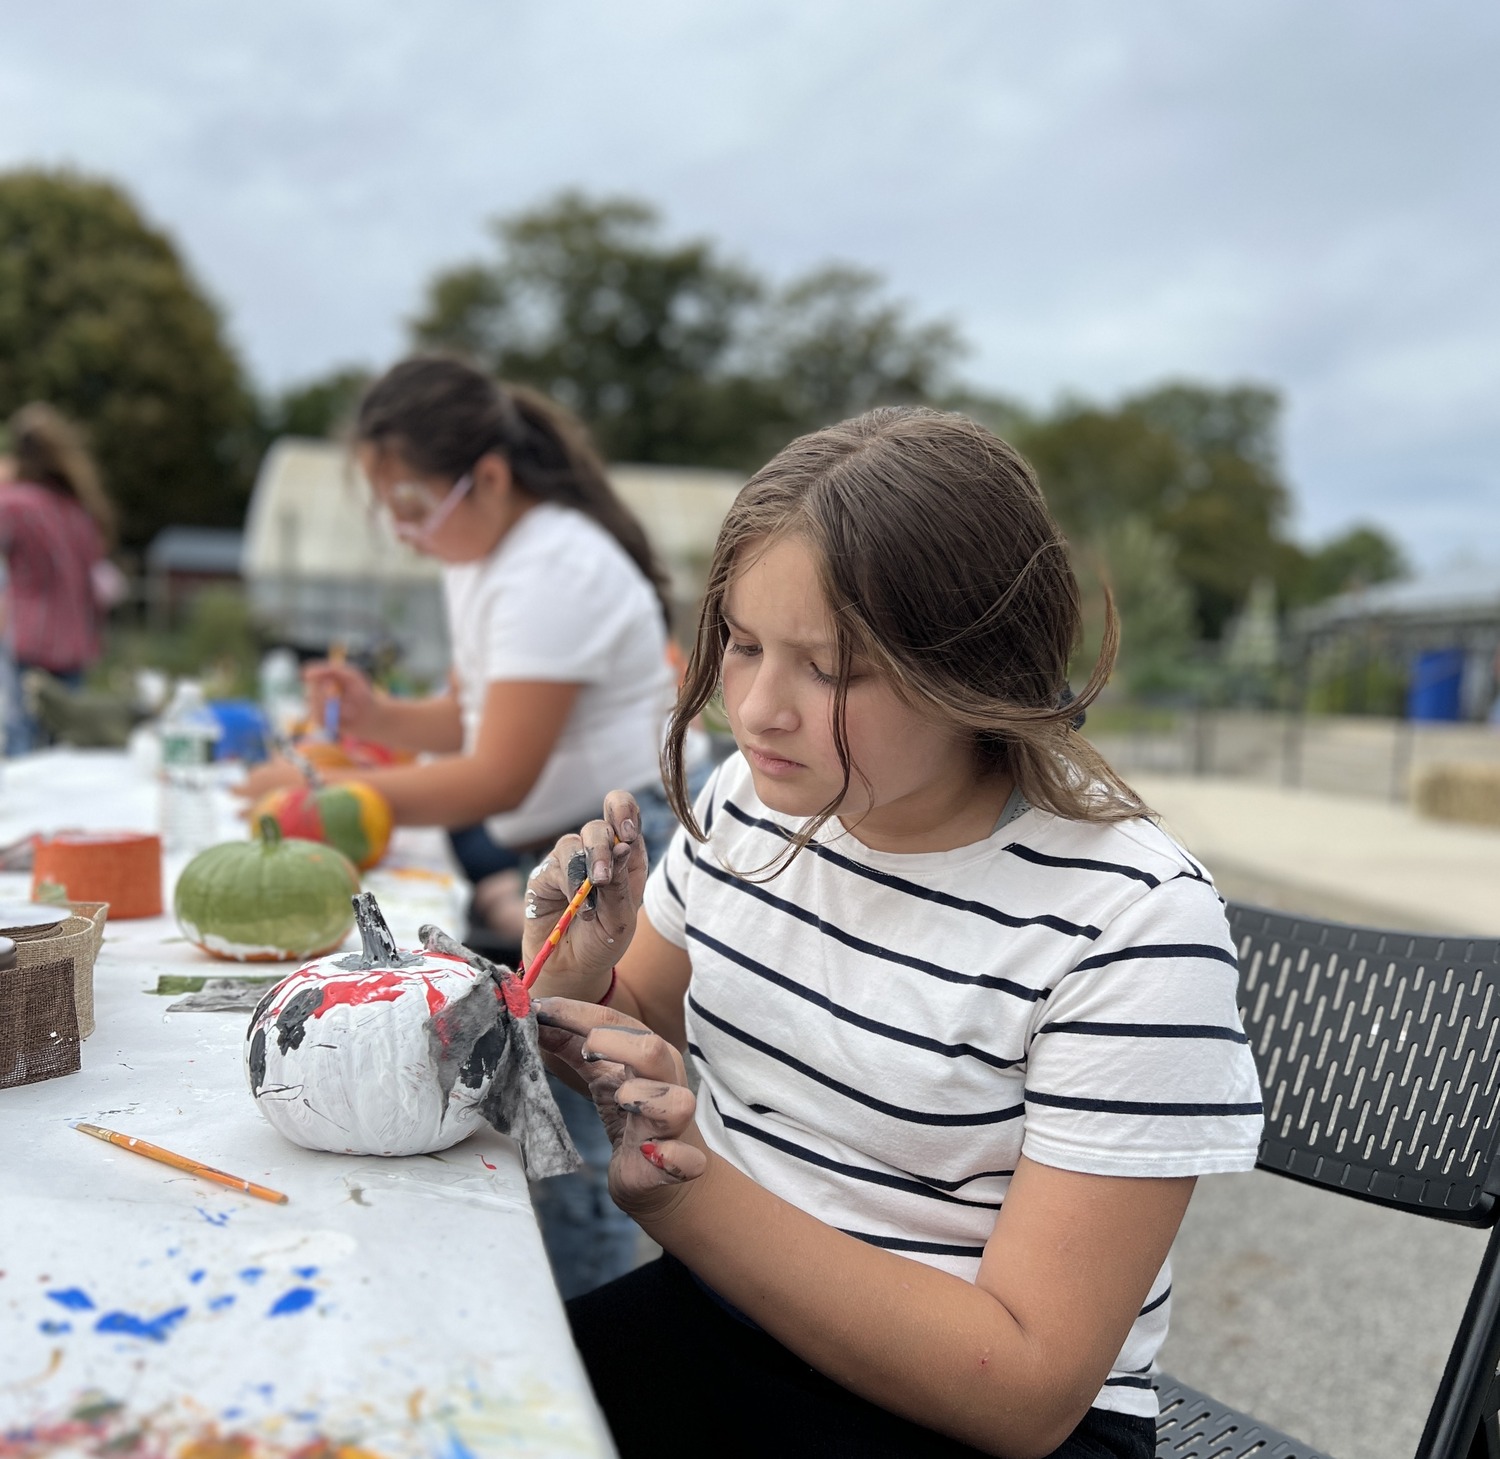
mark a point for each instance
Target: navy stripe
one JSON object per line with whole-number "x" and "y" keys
{"x": 1152, "y": 1306}
{"x": 1147, "y": 1030}
{"x": 1198, "y": 873}
{"x": 666, "y": 876}
{"x": 917, "y": 1117}
{"x": 1138, "y": 1106}
{"x": 846, "y": 1015}
{"x": 1159, "y": 950}
{"x": 1082, "y": 863}
{"x": 1128, "y": 1383}
{"x": 859, "y": 944}
{"x": 708, "y": 792}
{"x": 900, "y": 1243}
{"x": 910, "y": 1185}
{"x": 915, "y": 889}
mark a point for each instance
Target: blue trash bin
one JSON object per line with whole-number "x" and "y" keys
{"x": 1436, "y": 692}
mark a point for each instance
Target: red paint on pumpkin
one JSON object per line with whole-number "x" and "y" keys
{"x": 374, "y": 987}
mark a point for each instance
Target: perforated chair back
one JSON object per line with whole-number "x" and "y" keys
{"x": 1377, "y": 1054}
{"x": 1379, "y": 1062}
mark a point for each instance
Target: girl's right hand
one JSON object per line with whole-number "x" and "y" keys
{"x": 359, "y": 702}
{"x": 611, "y": 852}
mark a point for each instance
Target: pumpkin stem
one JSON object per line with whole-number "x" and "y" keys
{"x": 380, "y": 950}
{"x": 270, "y": 831}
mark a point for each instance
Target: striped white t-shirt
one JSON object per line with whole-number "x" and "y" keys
{"x": 880, "y": 1036}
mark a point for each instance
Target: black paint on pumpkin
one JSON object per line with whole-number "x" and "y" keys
{"x": 257, "y": 1061}
{"x": 291, "y": 1022}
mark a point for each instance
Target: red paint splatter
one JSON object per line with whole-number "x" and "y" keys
{"x": 436, "y": 1002}
{"x": 482, "y": 1161}
{"x": 517, "y": 999}
{"x": 654, "y": 1155}
{"x": 374, "y": 987}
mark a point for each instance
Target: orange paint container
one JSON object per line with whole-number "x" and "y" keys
{"x": 122, "y": 868}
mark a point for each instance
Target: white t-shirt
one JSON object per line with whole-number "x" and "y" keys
{"x": 560, "y": 600}
{"x": 881, "y": 1036}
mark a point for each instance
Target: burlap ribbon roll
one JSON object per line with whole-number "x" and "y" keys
{"x": 39, "y": 1036}
{"x": 76, "y": 939}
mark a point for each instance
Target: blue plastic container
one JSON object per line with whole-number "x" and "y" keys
{"x": 1437, "y": 679}
{"x": 243, "y": 730}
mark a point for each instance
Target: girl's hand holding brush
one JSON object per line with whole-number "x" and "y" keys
{"x": 612, "y": 855}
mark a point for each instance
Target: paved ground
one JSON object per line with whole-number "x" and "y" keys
{"x": 1329, "y": 1318}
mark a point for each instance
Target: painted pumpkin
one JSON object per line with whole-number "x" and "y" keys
{"x": 350, "y": 815}
{"x": 266, "y": 901}
{"x": 349, "y": 753}
{"x": 381, "y": 1052}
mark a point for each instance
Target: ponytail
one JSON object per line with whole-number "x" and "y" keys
{"x": 442, "y": 414}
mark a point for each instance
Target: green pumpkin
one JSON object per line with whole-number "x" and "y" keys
{"x": 269, "y": 900}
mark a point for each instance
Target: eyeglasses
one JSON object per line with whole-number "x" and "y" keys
{"x": 414, "y": 515}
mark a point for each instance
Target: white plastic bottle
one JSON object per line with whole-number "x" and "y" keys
{"x": 189, "y": 821}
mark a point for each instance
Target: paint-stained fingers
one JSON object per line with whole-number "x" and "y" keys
{"x": 648, "y": 1055}
{"x": 547, "y": 888}
{"x": 623, "y": 816}
{"x": 676, "y": 1160}
{"x": 582, "y": 1019}
{"x": 666, "y": 1110}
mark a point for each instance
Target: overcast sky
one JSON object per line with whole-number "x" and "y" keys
{"x": 1099, "y": 194}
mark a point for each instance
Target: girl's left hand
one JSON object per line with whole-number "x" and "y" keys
{"x": 272, "y": 775}
{"x": 639, "y": 1086}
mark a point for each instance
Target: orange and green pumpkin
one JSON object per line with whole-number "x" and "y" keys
{"x": 350, "y": 815}
{"x": 268, "y": 901}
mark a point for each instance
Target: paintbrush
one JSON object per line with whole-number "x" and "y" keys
{"x": 181, "y": 1162}
{"x": 284, "y": 747}
{"x": 555, "y": 936}
{"x": 333, "y": 706}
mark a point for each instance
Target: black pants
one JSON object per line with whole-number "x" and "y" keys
{"x": 676, "y": 1374}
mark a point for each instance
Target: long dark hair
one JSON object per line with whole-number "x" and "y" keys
{"x": 440, "y": 414}
{"x": 48, "y": 450}
{"x": 942, "y": 566}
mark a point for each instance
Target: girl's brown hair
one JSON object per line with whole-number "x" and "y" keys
{"x": 944, "y": 570}
{"x": 440, "y": 414}
{"x": 47, "y": 450}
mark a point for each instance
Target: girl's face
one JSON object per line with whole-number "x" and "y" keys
{"x": 453, "y": 521}
{"x": 925, "y": 790}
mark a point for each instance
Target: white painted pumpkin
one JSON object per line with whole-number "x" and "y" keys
{"x": 357, "y": 1053}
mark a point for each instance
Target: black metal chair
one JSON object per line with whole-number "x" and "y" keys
{"x": 1379, "y": 1058}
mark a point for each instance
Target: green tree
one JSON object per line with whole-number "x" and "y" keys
{"x": 100, "y": 317}
{"x": 323, "y": 407}
{"x": 1198, "y": 465}
{"x": 1357, "y": 558}
{"x": 586, "y": 303}
{"x": 668, "y": 351}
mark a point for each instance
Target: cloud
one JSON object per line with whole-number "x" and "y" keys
{"x": 1099, "y": 196}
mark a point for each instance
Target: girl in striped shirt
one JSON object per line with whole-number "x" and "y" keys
{"x": 960, "y": 1017}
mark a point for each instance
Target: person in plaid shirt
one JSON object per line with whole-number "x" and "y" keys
{"x": 56, "y": 525}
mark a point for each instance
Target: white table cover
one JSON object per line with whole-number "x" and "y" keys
{"x": 394, "y": 1308}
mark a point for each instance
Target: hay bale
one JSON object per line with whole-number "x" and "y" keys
{"x": 1459, "y": 792}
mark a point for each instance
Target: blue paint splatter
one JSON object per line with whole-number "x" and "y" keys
{"x": 230, "y": 1414}
{"x": 219, "y": 1303}
{"x": 215, "y": 1218}
{"x": 305, "y": 1272}
{"x": 53, "y": 1329}
{"x": 293, "y": 1300}
{"x": 74, "y": 1299}
{"x": 252, "y": 1273}
{"x": 197, "y": 1276}
{"x": 154, "y": 1329}
{"x": 306, "y": 1417}
{"x": 456, "y": 1449}
{"x": 173, "y": 1250}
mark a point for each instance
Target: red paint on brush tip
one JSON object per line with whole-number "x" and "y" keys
{"x": 650, "y": 1151}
